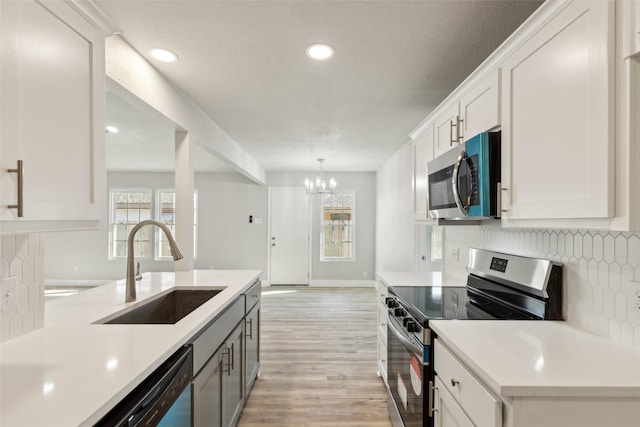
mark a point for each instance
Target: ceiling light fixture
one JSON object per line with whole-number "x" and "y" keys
{"x": 163, "y": 55}
{"x": 320, "y": 51}
{"x": 319, "y": 185}
{"x": 112, "y": 129}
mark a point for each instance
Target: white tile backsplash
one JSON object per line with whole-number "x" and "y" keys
{"x": 601, "y": 271}
{"x": 22, "y": 256}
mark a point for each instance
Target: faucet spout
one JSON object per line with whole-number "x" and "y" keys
{"x": 131, "y": 278}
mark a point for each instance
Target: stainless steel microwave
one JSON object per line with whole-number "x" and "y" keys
{"x": 463, "y": 182}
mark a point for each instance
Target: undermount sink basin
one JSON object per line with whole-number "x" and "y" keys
{"x": 166, "y": 309}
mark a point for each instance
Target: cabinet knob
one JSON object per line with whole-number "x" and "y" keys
{"x": 454, "y": 382}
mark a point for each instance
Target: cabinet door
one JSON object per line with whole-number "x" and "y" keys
{"x": 422, "y": 153}
{"x": 52, "y": 111}
{"x": 449, "y": 413}
{"x": 233, "y": 378}
{"x": 207, "y": 392}
{"x": 382, "y": 357}
{"x": 557, "y": 118}
{"x": 252, "y": 347}
{"x": 446, "y": 129}
{"x": 480, "y": 106}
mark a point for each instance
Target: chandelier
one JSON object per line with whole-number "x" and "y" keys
{"x": 319, "y": 185}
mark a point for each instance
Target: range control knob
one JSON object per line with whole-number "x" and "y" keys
{"x": 392, "y": 303}
{"x": 412, "y": 326}
{"x": 406, "y": 320}
{"x": 399, "y": 312}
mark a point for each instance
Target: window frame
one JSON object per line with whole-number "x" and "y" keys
{"x": 353, "y": 225}
{"x": 112, "y": 220}
{"x": 158, "y": 232}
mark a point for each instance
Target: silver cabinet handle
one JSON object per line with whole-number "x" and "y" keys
{"x": 227, "y": 353}
{"x": 232, "y": 357}
{"x": 454, "y": 183}
{"x": 432, "y": 389}
{"x": 250, "y": 334}
{"x": 20, "y": 205}
{"x": 451, "y": 139}
{"x": 459, "y": 130}
{"x": 499, "y": 207}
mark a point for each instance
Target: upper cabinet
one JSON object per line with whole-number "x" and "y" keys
{"x": 422, "y": 154}
{"x": 477, "y": 110}
{"x": 480, "y": 106}
{"x": 52, "y": 115}
{"x": 558, "y": 118}
{"x": 563, "y": 90}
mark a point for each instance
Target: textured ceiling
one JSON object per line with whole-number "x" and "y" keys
{"x": 243, "y": 63}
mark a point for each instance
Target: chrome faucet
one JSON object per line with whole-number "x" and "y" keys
{"x": 131, "y": 276}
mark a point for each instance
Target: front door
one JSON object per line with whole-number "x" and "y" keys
{"x": 289, "y": 239}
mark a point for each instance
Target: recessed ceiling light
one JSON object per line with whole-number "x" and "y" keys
{"x": 112, "y": 129}
{"x": 320, "y": 51}
{"x": 163, "y": 55}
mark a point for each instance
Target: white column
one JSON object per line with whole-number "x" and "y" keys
{"x": 184, "y": 178}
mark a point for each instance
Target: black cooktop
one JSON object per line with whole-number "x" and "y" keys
{"x": 452, "y": 302}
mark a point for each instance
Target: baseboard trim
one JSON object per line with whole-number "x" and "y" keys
{"x": 343, "y": 283}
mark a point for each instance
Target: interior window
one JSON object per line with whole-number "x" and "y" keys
{"x": 338, "y": 226}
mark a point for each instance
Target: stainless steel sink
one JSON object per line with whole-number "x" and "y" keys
{"x": 166, "y": 309}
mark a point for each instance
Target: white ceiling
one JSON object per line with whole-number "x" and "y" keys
{"x": 243, "y": 63}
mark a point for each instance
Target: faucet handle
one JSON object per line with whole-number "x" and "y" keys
{"x": 138, "y": 275}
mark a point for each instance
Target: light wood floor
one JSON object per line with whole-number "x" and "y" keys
{"x": 318, "y": 366}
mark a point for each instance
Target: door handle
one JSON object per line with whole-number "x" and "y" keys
{"x": 454, "y": 183}
{"x": 432, "y": 390}
{"x": 20, "y": 204}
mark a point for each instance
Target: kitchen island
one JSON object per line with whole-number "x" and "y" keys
{"x": 73, "y": 370}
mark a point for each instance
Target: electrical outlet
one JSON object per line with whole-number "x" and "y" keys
{"x": 8, "y": 291}
{"x": 365, "y": 275}
{"x": 76, "y": 268}
{"x": 455, "y": 254}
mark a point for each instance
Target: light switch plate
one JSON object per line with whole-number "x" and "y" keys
{"x": 8, "y": 292}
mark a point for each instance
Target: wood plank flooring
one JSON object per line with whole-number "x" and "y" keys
{"x": 318, "y": 367}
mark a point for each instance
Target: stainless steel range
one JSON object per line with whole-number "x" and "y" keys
{"x": 499, "y": 286}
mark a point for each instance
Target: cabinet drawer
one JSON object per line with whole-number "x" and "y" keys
{"x": 215, "y": 334}
{"x": 252, "y": 296}
{"x": 478, "y": 402}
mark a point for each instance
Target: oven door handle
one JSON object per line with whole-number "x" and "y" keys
{"x": 418, "y": 350}
{"x": 454, "y": 183}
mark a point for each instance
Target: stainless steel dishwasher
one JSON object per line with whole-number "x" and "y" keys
{"x": 163, "y": 399}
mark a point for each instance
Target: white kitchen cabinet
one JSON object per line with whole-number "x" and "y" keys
{"x": 558, "y": 117}
{"x": 480, "y": 106}
{"x": 52, "y": 114}
{"x": 446, "y": 131}
{"x": 459, "y": 390}
{"x": 422, "y": 154}
{"x": 448, "y": 412}
{"x": 382, "y": 292}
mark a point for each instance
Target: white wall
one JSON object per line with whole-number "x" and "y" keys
{"x": 226, "y": 240}
{"x": 395, "y": 229}
{"x": 364, "y": 185}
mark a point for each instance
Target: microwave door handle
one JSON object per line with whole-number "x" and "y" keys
{"x": 454, "y": 183}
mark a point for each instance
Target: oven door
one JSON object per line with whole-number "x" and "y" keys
{"x": 406, "y": 374}
{"x": 447, "y": 175}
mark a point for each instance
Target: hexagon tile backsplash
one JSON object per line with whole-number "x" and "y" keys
{"x": 22, "y": 256}
{"x": 601, "y": 271}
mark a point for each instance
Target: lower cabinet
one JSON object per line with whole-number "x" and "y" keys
{"x": 252, "y": 347}
{"x": 449, "y": 413}
{"x": 382, "y": 330}
{"x": 218, "y": 389}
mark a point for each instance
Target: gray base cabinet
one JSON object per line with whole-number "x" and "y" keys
{"x": 252, "y": 347}
{"x": 226, "y": 362}
{"x": 218, "y": 390}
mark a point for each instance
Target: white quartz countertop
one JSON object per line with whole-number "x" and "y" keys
{"x": 542, "y": 358}
{"x": 72, "y": 371}
{"x": 407, "y": 278}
